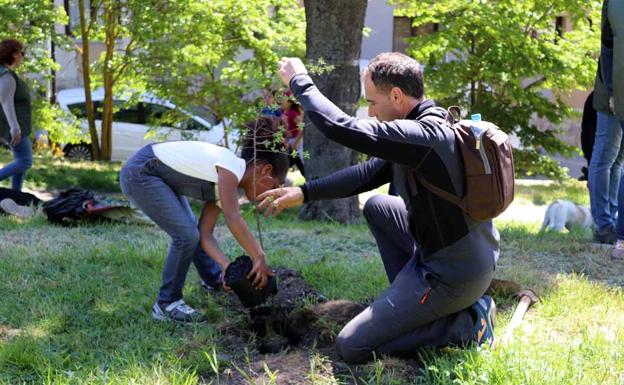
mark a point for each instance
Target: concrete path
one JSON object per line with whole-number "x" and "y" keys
{"x": 518, "y": 210}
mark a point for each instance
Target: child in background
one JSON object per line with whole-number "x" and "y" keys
{"x": 159, "y": 178}
{"x": 292, "y": 117}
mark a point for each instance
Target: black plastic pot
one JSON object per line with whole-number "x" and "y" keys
{"x": 236, "y": 278}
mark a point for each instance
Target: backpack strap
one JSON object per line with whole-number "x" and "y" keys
{"x": 453, "y": 116}
{"x": 410, "y": 175}
{"x": 438, "y": 191}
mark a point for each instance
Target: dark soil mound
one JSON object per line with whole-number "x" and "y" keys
{"x": 299, "y": 316}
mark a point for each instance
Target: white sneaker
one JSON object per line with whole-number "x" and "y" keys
{"x": 177, "y": 311}
{"x": 617, "y": 253}
{"x": 9, "y": 206}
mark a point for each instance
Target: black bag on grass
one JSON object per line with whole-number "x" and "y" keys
{"x": 19, "y": 197}
{"x": 68, "y": 205}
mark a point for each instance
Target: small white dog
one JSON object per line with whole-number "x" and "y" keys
{"x": 562, "y": 214}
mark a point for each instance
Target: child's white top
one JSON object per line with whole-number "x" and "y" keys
{"x": 199, "y": 159}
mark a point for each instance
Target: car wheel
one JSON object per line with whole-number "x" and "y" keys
{"x": 80, "y": 151}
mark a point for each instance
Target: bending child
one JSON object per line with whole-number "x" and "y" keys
{"x": 159, "y": 178}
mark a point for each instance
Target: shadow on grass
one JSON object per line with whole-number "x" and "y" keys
{"x": 534, "y": 258}
{"x": 50, "y": 173}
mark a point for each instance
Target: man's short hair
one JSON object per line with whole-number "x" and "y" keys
{"x": 394, "y": 69}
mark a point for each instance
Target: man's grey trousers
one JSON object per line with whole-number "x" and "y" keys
{"x": 419, "y": 309}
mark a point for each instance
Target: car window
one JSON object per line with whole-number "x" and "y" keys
{"x": 157, "y": 114}
{"x": 205, "y": 114}
{"x": 134, "y": 113}
{"x": 191, "y": 124}
{"x": 79, "y": 110}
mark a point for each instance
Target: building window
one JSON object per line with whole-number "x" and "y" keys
{"x": 68, "y": 26}
{"x": 73, "y": 15}
{"x": 403, "y": 28}
{"x": 562, "y": 25}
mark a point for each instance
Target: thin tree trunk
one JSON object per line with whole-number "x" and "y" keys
{"x": 86, "y": 76}
{"x": 108, "y": 74}
{"x": 333, "y": 34}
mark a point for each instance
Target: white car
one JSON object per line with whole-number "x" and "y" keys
{"x": 133, "y": 125}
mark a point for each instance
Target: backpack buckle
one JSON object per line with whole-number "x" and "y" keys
{"x": 453, "y": 114}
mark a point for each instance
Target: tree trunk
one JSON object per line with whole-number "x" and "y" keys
{"x": 86, "y": 76}
{"x": 333, "y": 34}
{"x": 108, "y": 74}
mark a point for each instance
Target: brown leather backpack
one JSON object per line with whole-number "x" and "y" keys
{"x": 488, "y": 166}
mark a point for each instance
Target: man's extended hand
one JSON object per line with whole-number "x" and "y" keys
{"x": 276, "y": 200}
{"x": 289, "y": 67}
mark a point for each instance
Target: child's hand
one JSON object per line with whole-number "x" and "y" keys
{"x": 223, "y": 269}
{"x": 260, "y": 273}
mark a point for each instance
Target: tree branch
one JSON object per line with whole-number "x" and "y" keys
{"x": 118, "y": 71}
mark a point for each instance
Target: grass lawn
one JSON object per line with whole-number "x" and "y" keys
{"x": 75, "y": 304}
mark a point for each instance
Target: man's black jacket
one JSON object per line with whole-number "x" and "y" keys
{"x": 423, "y": 141}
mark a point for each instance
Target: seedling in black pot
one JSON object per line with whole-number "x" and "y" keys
{"x": 236, "y": 278}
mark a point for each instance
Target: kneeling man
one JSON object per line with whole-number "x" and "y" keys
{"x": 438, "y": 260}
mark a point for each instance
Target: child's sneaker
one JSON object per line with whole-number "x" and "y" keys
{"x": 177, "y": 311}
{"x": 9, "y": 206}
{"x": 485, "y": 308}
{"x": 617, "y": 253}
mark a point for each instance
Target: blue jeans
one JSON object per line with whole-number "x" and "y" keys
{"x": 605, "y": 169}
{"x": 22, "y": 161}
{"x": 619, "y": 228}
{"x": 143, "y": 180}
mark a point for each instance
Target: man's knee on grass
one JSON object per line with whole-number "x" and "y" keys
{"x": 350, "y": 348}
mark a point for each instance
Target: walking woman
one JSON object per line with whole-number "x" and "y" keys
{"x": 15, "y": 119}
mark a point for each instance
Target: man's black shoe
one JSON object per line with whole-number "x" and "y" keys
{"x": 606, "y": 235}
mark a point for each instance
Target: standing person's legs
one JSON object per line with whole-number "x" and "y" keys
{"x": 160, "y": 203}
{"x": 618, "y": 252}
{"x": 605, "y": 154}
{"x": 22, "y": 161}
{"x": 616, "y": 174}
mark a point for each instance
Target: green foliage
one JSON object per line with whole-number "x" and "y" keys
{"x": 498, "y": 58}
{"x": 218, "y": 54}
{"x": 32, "y": 23}
{"x": 212, "y": 55}
{"x": 62, "y": 127}
{"x": 531, "y": 163}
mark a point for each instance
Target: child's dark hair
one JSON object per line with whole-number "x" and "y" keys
{"x": 266, "y": 151}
